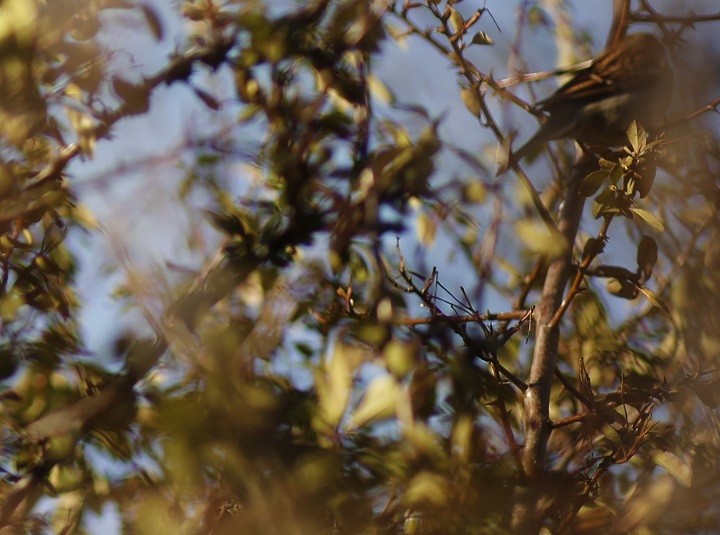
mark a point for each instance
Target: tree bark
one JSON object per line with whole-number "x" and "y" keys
{"x": 525, "y": 517}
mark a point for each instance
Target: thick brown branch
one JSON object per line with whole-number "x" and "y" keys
{"x": 537, "y": 395}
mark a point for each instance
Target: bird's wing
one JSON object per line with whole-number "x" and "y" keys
{"x": 614, "y": 72}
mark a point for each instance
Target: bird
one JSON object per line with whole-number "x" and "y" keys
{"x": 629, "y": 82}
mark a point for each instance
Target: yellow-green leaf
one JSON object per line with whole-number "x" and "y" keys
{"x": 481, "y": 38}
{"x": 426, "y": 228}
{"x": 675, "y": 466}
{"x": 334, "y": 385}
{"x": 592, "y": 182}
{"x": 428, "y": 489}
{"x": 649, "y": 218}
{"x": 472, "y": 100}
{"x": 538, "y": 238}
{"x": 378, "y": 403}
{"x": 654, "y": 300}
{"x": 379, "y": 90}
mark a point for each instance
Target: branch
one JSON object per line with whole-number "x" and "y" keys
{"x": 475, "y": 79}
{"x": 620, "y": 20}
{"x": 710, "y": 106}
{"x": 467, "y": 318}
{"x": 479, "y": 349}
{"x": 688, "y": 19}
{"x": 537, "y": 395}
{"x": 580, "y": 274}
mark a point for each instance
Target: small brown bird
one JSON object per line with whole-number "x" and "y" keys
{"x": 632, "y": 81}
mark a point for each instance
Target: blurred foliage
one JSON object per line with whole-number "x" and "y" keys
{"x": 311, "y": 378}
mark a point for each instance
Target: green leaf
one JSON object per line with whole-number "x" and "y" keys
{"x": 10, "y": 303}
{"x": 592, "y": 182}
{"x": 622, "y": 288}
{"x": 380, "y": 91}
{"x": 378, "y": 403}
{"x": 427, "y": 488}
{"x": 472, "y": 100}
{"x": 616, "y": 173}
{"x": 400, "y": 357}
{"x": 590, "y": 317}
{"x": 474, "y": 192}
{"x": 538, "y": 238}
{"x": 650, "y": 218}
{"x": 614, "y": 286}
{"x": 630, "y": 186}
{"x": 604, "y": 202}
{"x": 637, "y": 137}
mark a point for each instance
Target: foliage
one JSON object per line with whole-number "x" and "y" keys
{"x": 314, "y": 377}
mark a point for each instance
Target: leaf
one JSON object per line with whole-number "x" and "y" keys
{"x": 616, "y": 173}
{"x": 614, "y": 286}
{"x": 606, "y": 164}
{"x": 456, "y": 21}
{"x": 630, "y": 186}
{"x": 333, "y": 386}
{"x": 646, "y": 169}
{"x": 472, "y": 100}
{"x": 426, "y": 228}
{"x": 461, "y": 438}
{"x": 10, "y": 303}
{"x": 650, "y": 218}
{"x": 604, "y": 202}
{"x": 538, "y": 238}
{"x": 592, "y": 182}
{"x": 475, "y": 192}
{"x": 400, "y": 357}
{"x": 380, "y": 91}
{"x": 590, "y": 317}
{"x": 427, "y": 488}
{"x": 647, "y": 255}
{"x": 481, "y": 38}
{"x": 637, "y": 137}
{"x": 654, "y": 300}
{"x": 675, "y": 466}
{"x": 378, "y": 403}
{"x": 622, "y": 288}
{"x": 611, "y": 433}
{"x": 632, "y": 135}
